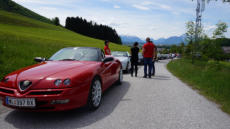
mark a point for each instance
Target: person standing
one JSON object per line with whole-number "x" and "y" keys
{"x": 154, "y": 58}
{"x": 106, "y": 48}
{"x": 134, "y": 58}
{"x": 148, "y": 54}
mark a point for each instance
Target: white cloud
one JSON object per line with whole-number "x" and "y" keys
{"x": 164, "y": 18}
{"x": 116, "y": 7}
{"x": 49, "y": 2}
{"x": 31, "y": 1}
{"x": 141, "y": 7}
{"x": 209, "y": 27}
{"x": 166, "y": 7}
{"x": 156, "y": 5}
{"x": 105, "y": 0}
{"x": 147, "y": 3}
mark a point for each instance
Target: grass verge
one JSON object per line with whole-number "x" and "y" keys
{"x": 211, "y": 78}
{"x": 22, "y": 39}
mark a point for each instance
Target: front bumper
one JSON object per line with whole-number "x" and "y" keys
{"x": 124, "y": 65}
{"x": 45, "y": 98}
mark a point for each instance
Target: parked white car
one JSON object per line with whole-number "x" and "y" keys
{"x": 124, "y": 58}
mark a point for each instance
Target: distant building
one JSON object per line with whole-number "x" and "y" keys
{"x": 226, "y": 49}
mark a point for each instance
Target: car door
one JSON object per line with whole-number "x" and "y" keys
{"x": 114, "y": 71}
{"x": 105, "y": 72}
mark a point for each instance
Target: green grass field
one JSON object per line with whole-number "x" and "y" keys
{"x": 22, "y": 39}
{"x": 210, "y": 78}
{"x": 11, "y": 6}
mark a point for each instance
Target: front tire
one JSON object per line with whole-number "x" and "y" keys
{"x": 95, "y": 95}
{"x": 120, "y": 78}
{"x": 127, "y": 67}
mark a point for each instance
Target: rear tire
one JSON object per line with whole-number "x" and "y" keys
{"x": 95, "y": 94}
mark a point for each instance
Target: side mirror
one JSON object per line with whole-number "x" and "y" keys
{"x": 108, "y": 59}
{"x": 39, "y": 59}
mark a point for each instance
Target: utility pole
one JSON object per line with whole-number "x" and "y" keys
{"x": 200, "y": 8}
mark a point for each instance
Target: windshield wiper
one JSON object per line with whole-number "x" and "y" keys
{"x": 67, "y": 59}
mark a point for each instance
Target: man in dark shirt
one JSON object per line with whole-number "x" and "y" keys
{"x": 134, "y": 58}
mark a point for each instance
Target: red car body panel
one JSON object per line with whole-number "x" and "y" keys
{"x": 44, "y": 91}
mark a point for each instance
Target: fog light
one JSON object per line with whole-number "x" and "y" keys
{"x": 60, "y": 101}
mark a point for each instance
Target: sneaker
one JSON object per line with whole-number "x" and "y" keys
{"x": 131, "y": 75}
{"x": 144, "y": 76}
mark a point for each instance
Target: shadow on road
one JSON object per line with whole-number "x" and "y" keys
{"x": 161, "y": 77}
{"x": 70, "y": 119}
{"x": 157, "y": 77}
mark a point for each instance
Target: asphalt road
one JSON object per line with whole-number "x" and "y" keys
{"x": 163, "y": 102}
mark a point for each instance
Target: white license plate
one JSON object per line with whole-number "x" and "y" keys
{"x": 20, "y": 102}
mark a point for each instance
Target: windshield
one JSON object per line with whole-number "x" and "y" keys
{"x": 79, "y": 54}
{"x": 120, "y": 54}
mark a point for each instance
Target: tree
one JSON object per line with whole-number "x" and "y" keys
{"x": 190, "y": 37}
{"x": 182, "y": 48}
{"x": 56, "y": 21}
{"x": 211, "y": 49}
{"x": 92, "y": 29}
{"x": 190, "y": 34}
{"x": 200, "y": 8}
{"x": 188, "y": 49}
{"x": 191, "y": 31}
{"x": 220, "y": 30}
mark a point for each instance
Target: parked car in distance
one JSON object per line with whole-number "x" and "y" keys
{"x": 73, "y": 77}
{"x": 165, "y": 56}
{"x": 124, "y": 58}
{"x": 159, "y": 56}
{"x": 140, "y": 59}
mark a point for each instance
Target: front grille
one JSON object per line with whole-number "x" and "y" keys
{"x": 6, "y": 91}
{"x": 36, "y": 108}
{"x": 45, "y": 92}
{"x": 45, "y": 108}
{"x": 41, "y": 103}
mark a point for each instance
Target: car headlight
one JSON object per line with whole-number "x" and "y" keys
{"x": 66, "y": 82}
{"x": 57, "y": 82}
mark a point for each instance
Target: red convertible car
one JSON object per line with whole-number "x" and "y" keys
{"x": 71, "y": 78}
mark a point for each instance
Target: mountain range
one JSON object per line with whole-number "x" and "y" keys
{"x": 129, "y": 40}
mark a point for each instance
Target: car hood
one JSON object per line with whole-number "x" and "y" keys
{"x": 38, "y": 72}
{"x": 49, "y": 68}
{"x": 122, "y": 59}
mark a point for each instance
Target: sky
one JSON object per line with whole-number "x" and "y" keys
{"x": 142, "y": 18}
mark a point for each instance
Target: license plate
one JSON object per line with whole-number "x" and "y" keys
{"x": 20, "y": 102}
